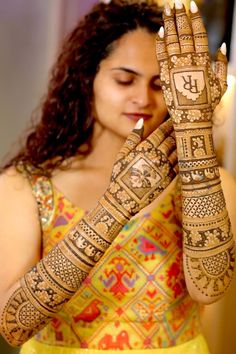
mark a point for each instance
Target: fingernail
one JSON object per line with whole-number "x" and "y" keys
{"x": 161, "y": 32}
{"x": 178, "y": 4}
{"x": 223, "y": 48}
{"x": 139, "y": 124}
{"x": 167, "y": 9}
{"x": 193, "y": 7}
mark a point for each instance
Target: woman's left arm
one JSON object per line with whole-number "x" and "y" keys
{"x": 192, "y": 89}
{"x": 228, "y": 183}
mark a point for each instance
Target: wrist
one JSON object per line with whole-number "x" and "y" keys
{"x": 106, "y": 220}
{"x": 195, "y": 142}
{"x": 186, "y": 118}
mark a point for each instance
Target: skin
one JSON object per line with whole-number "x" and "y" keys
{"x": 140, "y": 93}
{"x": 20, "y": 234}
{"x": 130, "y": 79}
{"x": 140, "y": 96}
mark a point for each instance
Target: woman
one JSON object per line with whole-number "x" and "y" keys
{"x": 131, "y": 273}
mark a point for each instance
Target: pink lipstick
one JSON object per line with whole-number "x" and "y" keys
{"x": 136, "y": 116}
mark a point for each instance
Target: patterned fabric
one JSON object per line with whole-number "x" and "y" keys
{"x": 195, "y": 346}
{"x": 135, "y": 297}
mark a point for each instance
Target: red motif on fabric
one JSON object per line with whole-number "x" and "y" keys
{"x": 90, "y": 313}
{"x": 119, "y": 280}
{"x": 175, "y": 279}
{"x": 120, "y": 341}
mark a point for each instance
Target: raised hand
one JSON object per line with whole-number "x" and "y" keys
{"x": 191, "y": 90}
{"x": 143, "y": 168}
{"x": 191, "y": 87}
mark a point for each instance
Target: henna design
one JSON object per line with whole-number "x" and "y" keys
{"x": 212, "y": 275}
{"x": 144, "y": 172}
{"x": 141, "y": 172}
{"x": 192, "y": 89}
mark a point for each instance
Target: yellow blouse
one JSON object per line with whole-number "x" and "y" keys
{"x": 135, "y": 297}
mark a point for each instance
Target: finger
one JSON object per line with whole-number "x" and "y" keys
{"x": 221, "y": 66}
{"x": 176, "y": 169}
{"x": 184, "y": 28}
{"x": 173, "y": 159}
{"x": 199, "y": 31}
{"x": 159, "y": 135}
{"x": 133, "y": 140}
{"x": 167, "y": 146}
{"x": 171, "y": 36}
{"x": 161, "y": 52}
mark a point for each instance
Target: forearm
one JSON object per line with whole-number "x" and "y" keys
{"x": 42, "y": 292}
{"x": 207, "y": 238}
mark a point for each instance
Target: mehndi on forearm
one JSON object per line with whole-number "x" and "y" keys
{"x": 143, "y": 169}
{"x": 192, "y": 88}
{"x": 53, "y": 281}
{"x": 207, "y": 237}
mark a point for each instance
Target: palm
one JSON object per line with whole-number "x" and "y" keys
{"x": 191, "y": 88}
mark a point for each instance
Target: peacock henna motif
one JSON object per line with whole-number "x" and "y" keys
{"x": 142, "y": 170}
{"x": 192, "y": 89}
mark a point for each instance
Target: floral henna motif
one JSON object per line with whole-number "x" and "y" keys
{"x": 192, "y": 89}
{"x": 145, "y": 171}
{"x": 141, "y": 172}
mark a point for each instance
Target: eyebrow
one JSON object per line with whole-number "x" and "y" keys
{"x": 130, "y": 71}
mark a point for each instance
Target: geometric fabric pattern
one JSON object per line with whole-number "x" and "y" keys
{"x": 135, "y": 297}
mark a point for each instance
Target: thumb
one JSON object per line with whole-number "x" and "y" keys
{"x": 221, "y": 67}
{"x": 133, "y": 139}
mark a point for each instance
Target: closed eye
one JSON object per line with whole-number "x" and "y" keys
{"x": 156, "y": 84}
{"x": 124, "y": 82}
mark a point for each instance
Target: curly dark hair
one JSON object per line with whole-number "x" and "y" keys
{"x": 65, "y": 120}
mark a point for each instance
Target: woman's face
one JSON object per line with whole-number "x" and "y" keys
{"x": 127, "y": 86}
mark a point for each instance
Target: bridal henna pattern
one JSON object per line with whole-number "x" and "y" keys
{"x": 145, "y": 171}
{"x": 192, "y": 89}
{"x": 140, "y": 173}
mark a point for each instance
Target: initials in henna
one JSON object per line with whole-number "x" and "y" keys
{"x": 192, "y": 89}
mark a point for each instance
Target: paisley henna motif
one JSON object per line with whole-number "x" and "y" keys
{"x": 192, "y": 90}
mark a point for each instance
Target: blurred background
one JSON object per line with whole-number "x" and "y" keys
{"x": 30, "y": 36}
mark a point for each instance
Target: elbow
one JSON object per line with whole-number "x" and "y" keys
{"x": 13, "y": 334}
{"x": 204, "y": 299}
{"x": 209, "y": 279}
{"x": 208, "y": 295}
{"x": 12, "y": 342}
{"x": 13, "y": 339}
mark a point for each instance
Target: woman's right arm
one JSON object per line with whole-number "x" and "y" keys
{"x": 33, "y": 290}
{"x": 20, "y": 236}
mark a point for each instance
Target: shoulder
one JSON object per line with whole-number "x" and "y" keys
{"x": 16, "y": 194}
{"x": 13, "y": 182}
{"x": 20, "y": 233}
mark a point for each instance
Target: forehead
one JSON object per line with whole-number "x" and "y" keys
{"x": 134, "y": 50}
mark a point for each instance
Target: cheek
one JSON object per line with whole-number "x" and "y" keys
{"x": 108, "y": 99}
{"x": 161, "y": 108}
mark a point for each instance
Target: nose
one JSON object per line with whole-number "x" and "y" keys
{"x": 142, "y": 96}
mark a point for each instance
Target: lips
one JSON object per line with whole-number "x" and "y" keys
{"x": 136, "y": 116}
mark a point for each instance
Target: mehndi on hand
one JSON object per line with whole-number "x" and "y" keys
{"x": 141, "y": 172}
{"x": 192, "y": 89}
{"x": 191, "y": 86}
{"x": 143, "y": 169}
